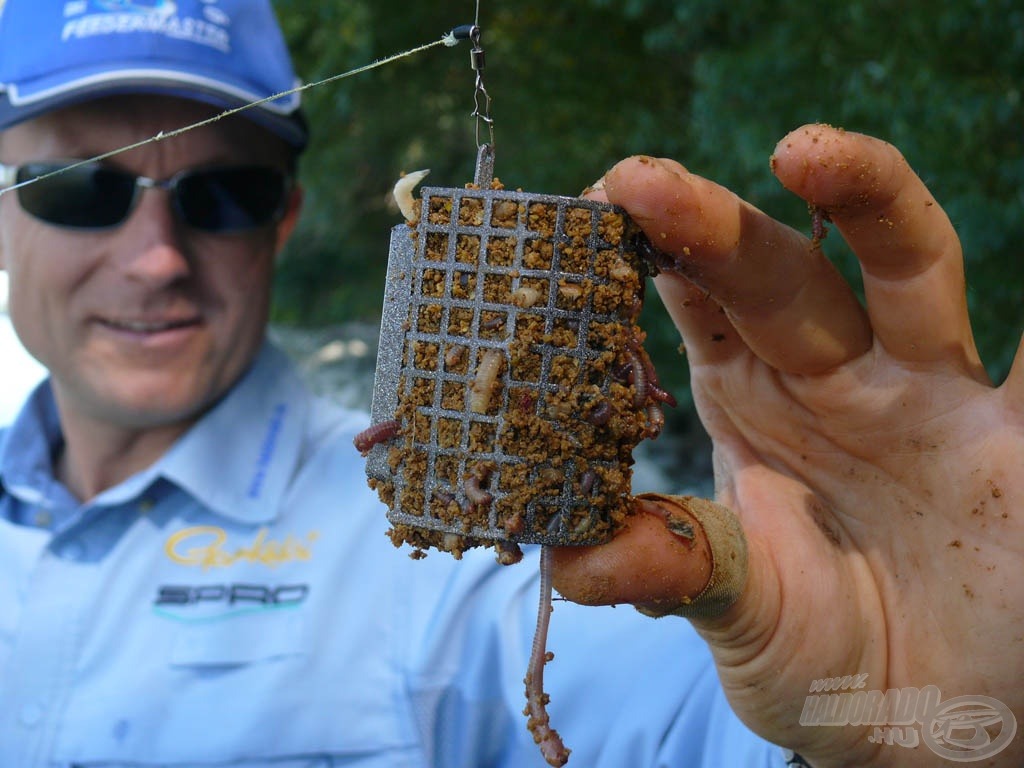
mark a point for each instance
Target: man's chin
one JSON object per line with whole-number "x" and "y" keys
{"x": 147, "y": 405}
{"x": 155, "y": 415}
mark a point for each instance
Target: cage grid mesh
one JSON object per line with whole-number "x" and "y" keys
{"x": 448, "y": 302}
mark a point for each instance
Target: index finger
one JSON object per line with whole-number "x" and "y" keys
{"x": 789, "y": 304}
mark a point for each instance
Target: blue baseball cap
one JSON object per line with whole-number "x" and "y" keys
{"x": 227, "y": 53}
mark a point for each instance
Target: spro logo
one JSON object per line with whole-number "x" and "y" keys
{"x": 217, "y": 602}
{"x": 96, "y": 18}
{"x": 206, "y": 547}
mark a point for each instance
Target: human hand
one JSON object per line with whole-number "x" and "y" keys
{"x": 873, "y": 467}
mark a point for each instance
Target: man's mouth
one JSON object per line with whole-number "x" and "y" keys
{"x": 148, "y": 326}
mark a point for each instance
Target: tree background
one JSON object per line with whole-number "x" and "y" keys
{"x": 579, "y": 84}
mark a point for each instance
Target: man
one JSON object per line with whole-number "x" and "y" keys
{"x": 192, "y": 571}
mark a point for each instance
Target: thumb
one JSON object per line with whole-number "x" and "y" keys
{"x": 677, "y": 554}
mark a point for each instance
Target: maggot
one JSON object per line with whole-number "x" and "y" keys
{"x": 525, "y": 296}
{"x": 477, "y": 495}
{"x": 486, "y": 380}
{"x": 403, "y": 193}
{"x": 456, "y": 354}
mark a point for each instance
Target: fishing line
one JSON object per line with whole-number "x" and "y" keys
{"x": 449, "y": 39}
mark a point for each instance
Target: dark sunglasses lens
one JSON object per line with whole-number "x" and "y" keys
{"x": 85, "y": 197}
{"x": 231, "y": 199}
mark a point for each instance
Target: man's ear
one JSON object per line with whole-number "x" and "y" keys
{"x": 286, "y": 225}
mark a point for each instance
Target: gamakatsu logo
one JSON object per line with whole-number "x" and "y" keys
{"x": 94, "y": 18}
{"x": 962, "y": 729}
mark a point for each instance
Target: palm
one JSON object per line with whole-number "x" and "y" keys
{"x": 891, "y": 530}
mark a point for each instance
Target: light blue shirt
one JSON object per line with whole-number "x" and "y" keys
{"x": 238, "y": 604}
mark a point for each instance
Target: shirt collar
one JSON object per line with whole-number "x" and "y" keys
{"x": 239, "y": 458}
{"x": 28, "y": 448}
{"x": 236, "y": 460}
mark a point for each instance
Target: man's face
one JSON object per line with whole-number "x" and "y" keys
{"x": 147, "y": 324}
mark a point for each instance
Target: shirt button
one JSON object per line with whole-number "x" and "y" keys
{"x": 31, "y": 714}
{"x": 73, "y": 550}
{"x": 43, "y": 519}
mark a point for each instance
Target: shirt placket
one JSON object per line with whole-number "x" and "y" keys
{"x": 42, "y": 666}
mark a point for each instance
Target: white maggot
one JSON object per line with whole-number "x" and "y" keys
{"x": 403, "y": 193}
{"x": 486, "y": 380}
{"x": 525, "y": 296}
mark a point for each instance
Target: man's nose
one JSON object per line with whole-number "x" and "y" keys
{"x": 153, "y": 242}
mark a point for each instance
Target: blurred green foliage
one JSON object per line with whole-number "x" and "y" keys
{"x": 579, "y": 84}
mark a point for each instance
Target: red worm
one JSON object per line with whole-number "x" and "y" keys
{"x": 652, "y": 388}
{"x": 551, "y": 745}
{"x": 638, "y": 373}
{"x": 655, "y": 257}
{"x": 659, "y": 395}
{"x": 819, "y": 216}
{"x": 600, "y": 414}
{"x": 655, "y": 420}
{"x": 587, "y": 480}
{"x": 376, "y": 434}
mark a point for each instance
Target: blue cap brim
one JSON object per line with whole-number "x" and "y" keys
{"x": 293, "y": 127}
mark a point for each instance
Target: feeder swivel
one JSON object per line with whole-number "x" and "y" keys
{"x": 481, "y": 99}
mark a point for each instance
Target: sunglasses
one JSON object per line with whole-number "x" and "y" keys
{"x": 92, "y": 196}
